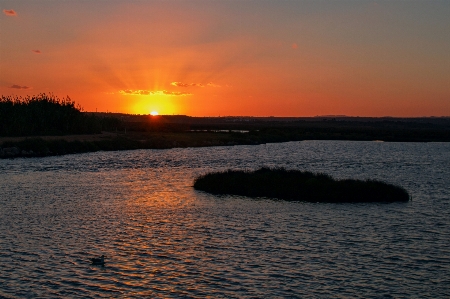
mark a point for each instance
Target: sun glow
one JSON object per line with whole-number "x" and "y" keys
{"x": 154, "y": 113}
{"x": 147, "y": 105}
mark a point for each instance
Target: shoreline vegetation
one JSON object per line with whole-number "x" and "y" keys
{"x": 295, "y": 185}
{"x": 45, "y": 125}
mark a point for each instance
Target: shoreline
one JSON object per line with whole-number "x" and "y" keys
{"x": 42, "y": 146}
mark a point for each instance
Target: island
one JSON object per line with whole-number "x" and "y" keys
{"x": 296, "y": 185}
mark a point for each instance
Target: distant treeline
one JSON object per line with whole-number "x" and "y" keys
{"x": 48, "y": 115}
{"x": 294, "y": 129}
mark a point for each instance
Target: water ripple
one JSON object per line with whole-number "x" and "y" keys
{"x": 162, "y": 239}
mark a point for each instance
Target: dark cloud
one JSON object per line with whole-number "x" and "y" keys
{"x": 9, "y": 12}
{"x": 15, "y": 86}
{"x": 37, "y": 51}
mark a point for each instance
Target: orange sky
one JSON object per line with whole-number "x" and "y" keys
{"x": 211, "y": 58}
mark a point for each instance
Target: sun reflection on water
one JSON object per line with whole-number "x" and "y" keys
{"x": 164, "y": 239}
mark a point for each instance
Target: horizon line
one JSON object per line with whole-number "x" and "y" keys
{"x": 269, "y": 116}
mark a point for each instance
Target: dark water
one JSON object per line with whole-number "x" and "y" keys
{"x": 163, "y": 239}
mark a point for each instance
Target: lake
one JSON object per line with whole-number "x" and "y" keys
{"x": 163, "y": 239}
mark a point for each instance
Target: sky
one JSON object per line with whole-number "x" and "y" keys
{"x": 231, "y": 57}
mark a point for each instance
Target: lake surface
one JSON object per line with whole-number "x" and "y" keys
{"x": 163, "y": 239}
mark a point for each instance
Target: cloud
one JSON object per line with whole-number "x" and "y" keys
{"x": 36, "y": 51}
{"x": 171, "y": 93}
{"x": 134, "y": 92}
{"x": 15, "y": 86}
{"x": 294, "y": 46}
{"x": 143, "y": 92}
{"x": 180, "y": 84}
{"x": 210, "y": 84}
{"x": 9, "y": 12}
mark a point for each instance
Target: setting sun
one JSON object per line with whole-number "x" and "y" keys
{"x": 367, "y": 59}
{"x": 154, "y": 113}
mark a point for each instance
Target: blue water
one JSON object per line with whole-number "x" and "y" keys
{"x": 163, "y": 239}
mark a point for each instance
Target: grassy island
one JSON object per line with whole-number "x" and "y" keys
{"x": 295, "y": 185}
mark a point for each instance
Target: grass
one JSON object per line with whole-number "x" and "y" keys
{"x": 294, "y": 185}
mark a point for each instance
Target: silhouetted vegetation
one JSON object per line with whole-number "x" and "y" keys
{"x": 39, "y": 147}
{"x": 294, "y": 185}
{"x": 48, "y": 115}
{"x": 38, "y": 117}
{"x": 274, "y": 129}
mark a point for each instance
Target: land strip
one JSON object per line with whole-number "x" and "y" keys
{"x": 146, "y": 132}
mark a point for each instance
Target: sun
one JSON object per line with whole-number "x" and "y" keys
{"x": 154, "y": 113}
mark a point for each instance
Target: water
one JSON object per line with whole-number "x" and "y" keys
{"x": 163, "y": 239}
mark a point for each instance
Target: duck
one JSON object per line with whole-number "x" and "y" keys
{"x": 98, "y": 260}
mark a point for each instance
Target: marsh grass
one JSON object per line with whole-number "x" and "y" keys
{"x": 46, "y": 114}
{"x": 295, "y": 185}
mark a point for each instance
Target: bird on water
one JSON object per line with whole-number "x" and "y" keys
{"x": 98, "y": 260}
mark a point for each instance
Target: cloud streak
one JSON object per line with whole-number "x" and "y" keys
{"x": 15, "y": 86}
{"x": 9, "y": 12}
{"x": 210, "y": 84}
{"x": 36, "y": 51}
{"x": 143, "y": 92}
{"x": 181, "y": 84}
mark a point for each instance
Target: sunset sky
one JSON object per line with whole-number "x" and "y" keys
{"x": 211, "y": 58}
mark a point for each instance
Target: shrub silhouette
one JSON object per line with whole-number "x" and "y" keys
{"x": 297, "y": 185}
{"x": 48, "y": 115}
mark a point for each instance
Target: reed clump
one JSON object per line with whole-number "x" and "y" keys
{"x": 46, "y": 114}
{"x": 295, "y": 185}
